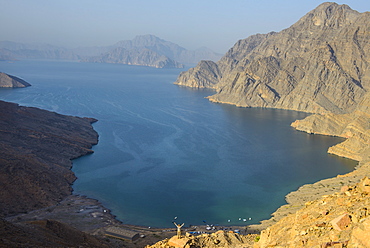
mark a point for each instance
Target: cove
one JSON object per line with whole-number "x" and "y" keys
{"x": 165, "y": 151}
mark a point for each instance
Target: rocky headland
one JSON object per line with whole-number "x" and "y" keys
{"x": 9, "y": 81}
{"x": 36, "y": 148}
{"x": 36, "y": 151}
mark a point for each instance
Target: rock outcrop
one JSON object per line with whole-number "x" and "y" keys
{"x": 205, "y": 75}
{"x": 318, "y": 65}
{"x": 9, "y": 81}
{"x": 36, "y": 148}
{"x": 218, "y": 239}
{"x": 354, "y": 126}
{"x": 341, "y": 219}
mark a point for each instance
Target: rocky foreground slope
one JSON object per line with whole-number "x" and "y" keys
{"x": 36, "y": 148}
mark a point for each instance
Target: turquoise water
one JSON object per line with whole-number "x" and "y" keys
{"x": 166, "y": 151}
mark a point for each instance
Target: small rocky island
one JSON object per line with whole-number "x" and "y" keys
{"x": 9, "y": 81}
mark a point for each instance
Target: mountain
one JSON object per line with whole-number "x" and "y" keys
{"x": 169, "y": 49}
{"x": 318, "y": 65}
{"x": 9, "y": 81}
{"x": 150, "y": 50}
{"x": 146, "y": 50}
{"x": 135, "y": 56}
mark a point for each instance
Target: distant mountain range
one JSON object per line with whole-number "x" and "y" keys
{"x": 12, "y": 51}
{"x": 145, "y": 50}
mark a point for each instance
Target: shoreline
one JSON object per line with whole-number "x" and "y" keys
{"x": 90, "y": 216}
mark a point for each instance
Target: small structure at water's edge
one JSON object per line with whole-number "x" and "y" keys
{"x": 117, "y": 232}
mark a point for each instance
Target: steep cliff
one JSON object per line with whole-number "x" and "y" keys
{"x": 318, "y": 65}
{"x": 9, "y": 81}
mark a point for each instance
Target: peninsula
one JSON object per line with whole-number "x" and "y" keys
{"x": 36, "y": 148}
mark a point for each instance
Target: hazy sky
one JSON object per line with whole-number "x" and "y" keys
{"x": 216, "y": 24}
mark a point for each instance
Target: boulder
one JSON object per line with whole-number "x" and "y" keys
{"x": 178, "y": 243}
{"x": 341, "y": 222}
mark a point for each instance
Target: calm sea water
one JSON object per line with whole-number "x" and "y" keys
{"x": 165, "y": 151}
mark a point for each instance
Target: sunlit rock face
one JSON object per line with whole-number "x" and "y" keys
{"x": 318, "y": 65}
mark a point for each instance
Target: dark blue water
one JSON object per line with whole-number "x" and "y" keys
{"x": 166, "y": 151}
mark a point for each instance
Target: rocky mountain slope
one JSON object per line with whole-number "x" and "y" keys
{"x": 9, "y": 81}
{"x": 318, "y": 65}
{"x": 218, "y": 239}
{"x": 45, "y": 233}
{"x": 338, "y": 220}
{"x": 36, "y": 148}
